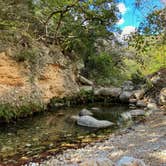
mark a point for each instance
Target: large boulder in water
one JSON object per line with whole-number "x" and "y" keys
{"x": 111, "y": 92}
{"x": 89, "y": 121}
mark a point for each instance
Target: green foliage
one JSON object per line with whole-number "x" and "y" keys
{"x": 26, "y": 55}
{"x": 149, "y": 43}
{"x": 105, "y": 69}
{"x": 9, "y": 112}
{"x": 76, "y": 25}
{"x": 138, "y": 77}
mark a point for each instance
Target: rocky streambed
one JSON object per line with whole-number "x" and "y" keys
{"x": 139, "y": 145}
{"x": 52, "y": 132}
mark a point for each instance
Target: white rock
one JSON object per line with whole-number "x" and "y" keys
{"x": 89, "y": 121}
{"x": 130, "y": 161}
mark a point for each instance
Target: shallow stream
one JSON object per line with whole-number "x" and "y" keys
{"x": 51, "y": 132}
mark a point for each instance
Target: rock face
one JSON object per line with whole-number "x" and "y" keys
{"x": 50, "y": 78}
{"x": 85, "y": 112}
{"x": 112, "y": 92}
{"x": 89, "y": 121}
{"x": 162, "y": 96}
{"x": 130, "y": 161}
{"x": 97, "y": 162}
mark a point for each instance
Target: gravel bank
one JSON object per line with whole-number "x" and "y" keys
{"x": 146, "y": 141}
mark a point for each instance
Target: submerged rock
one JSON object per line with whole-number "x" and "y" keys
{"x": 130, "y": 161}
{"x": 97, "y": 162}
{"x": 111, "y": 92}
{"x": 89, "y": 121}
{"x": 132, "y": 114}
{"x": 85, "y": 112}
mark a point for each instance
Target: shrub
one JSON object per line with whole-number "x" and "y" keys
{"x": 9, "y": 112}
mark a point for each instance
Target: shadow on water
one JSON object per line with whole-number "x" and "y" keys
{"x": 50, "y": 130}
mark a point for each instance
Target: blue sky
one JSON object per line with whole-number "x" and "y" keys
{"x": 131, "y": 17}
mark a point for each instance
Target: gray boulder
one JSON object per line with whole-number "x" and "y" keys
{"x": 112, "y": 92}
{"x": 162, "y": 97}
{"x": 85, "y": 112}
{"x": 125, "y": 96}
{"x": 89, "y": 121}
{"x": 130, "y": 161}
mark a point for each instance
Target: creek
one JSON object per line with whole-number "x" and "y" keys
{"x": 51, "y": 132}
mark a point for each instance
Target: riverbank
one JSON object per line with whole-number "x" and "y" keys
{"x": 145, "y": 141}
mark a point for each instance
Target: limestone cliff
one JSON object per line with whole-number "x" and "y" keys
{"x": 51, "y": 75}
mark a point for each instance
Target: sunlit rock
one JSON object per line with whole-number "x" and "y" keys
{"x": 89, "y": 121}
{"x": 130, "y": 161}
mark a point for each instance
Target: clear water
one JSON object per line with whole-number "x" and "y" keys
{"x": 34, "y": 135}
